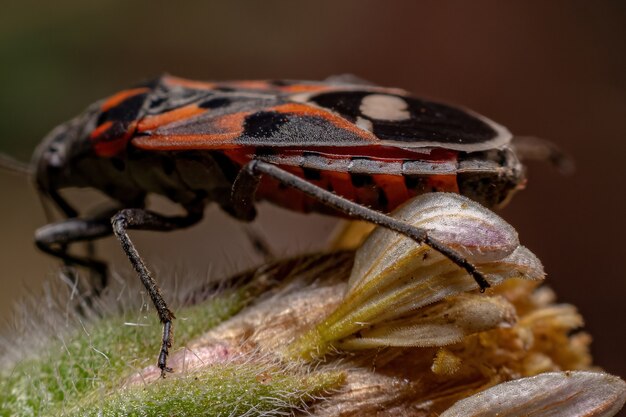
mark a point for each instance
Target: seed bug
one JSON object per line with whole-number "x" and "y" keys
{"x": 338, "y": 146}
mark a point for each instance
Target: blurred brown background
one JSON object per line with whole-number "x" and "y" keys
{"x": 552, "y": 69}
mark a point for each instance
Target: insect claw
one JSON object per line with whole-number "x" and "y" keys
{"x": 165, "y": 371}
{"x": 482, "y": 282}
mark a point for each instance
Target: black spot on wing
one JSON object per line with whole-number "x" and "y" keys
{"x": 277, "y": 129}
{"x": 427, "y": 121}
{"x": 264, "y": 124}
{"x": 434, "y": 122}
{"x": 346, "y": 103}
{"x": 126, "y": 111}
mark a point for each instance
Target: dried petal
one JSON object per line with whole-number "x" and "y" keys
{"x": 457, "y": 221}
{"x": 391, "y": 269}
{"x": 438, "y": 325}
{"x": 563, "y": 316}
{"x": 393, "y": 276}
{"x": 551, "y": 394}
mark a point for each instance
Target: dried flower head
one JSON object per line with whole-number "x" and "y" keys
{"x": 395, "y": 329}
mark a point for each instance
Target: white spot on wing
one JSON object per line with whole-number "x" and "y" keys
{"x": 364, "y": 124}
{"x": 301, "y": 97}
{"x": 384, "y": 107}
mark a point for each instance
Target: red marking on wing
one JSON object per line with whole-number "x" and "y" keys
{"x": 232, "y": 124}
{"x": 185, "y": 142}
{"x": 100, "y": 130}
{"x": 250, "y": 85}
{"x": 225, "y": 129}
{"x": 154, "y": 122}
{"x": 116, "y": 99}
{"x": 305, "y": 88}
{"x": 107, "y": 147}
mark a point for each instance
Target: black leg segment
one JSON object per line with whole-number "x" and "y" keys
{"x": 141, "y": 219}
{"x": 56, "y": 238}
{"x": 249, "y": 177}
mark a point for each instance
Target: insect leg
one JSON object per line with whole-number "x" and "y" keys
{"x": 244, "y": 210}
{"x": 141, "y": 219}
{"x": 248, "y": 180}
{"x": 55, "y": 238}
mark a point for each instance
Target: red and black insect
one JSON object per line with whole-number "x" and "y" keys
{"x": 337, "y": 146}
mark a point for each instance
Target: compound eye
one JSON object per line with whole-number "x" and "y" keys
{"x": 54, "y": 155}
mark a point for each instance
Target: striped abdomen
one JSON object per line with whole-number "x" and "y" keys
{"x": 387, "y": 179}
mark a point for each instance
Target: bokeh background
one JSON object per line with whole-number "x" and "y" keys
{"x": 553, "y": 69}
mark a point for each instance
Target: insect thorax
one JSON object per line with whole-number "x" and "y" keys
{"x": 186, "y": 178}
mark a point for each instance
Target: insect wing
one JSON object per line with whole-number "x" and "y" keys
{"x": 305, "y": 115}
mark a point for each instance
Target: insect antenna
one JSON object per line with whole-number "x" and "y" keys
{"x": 12, "y": 165}
{"x": 531, "y": 148}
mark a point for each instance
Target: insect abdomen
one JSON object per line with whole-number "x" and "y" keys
{"x": 379, "y": 183}
{"x": 381, "y": 192}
